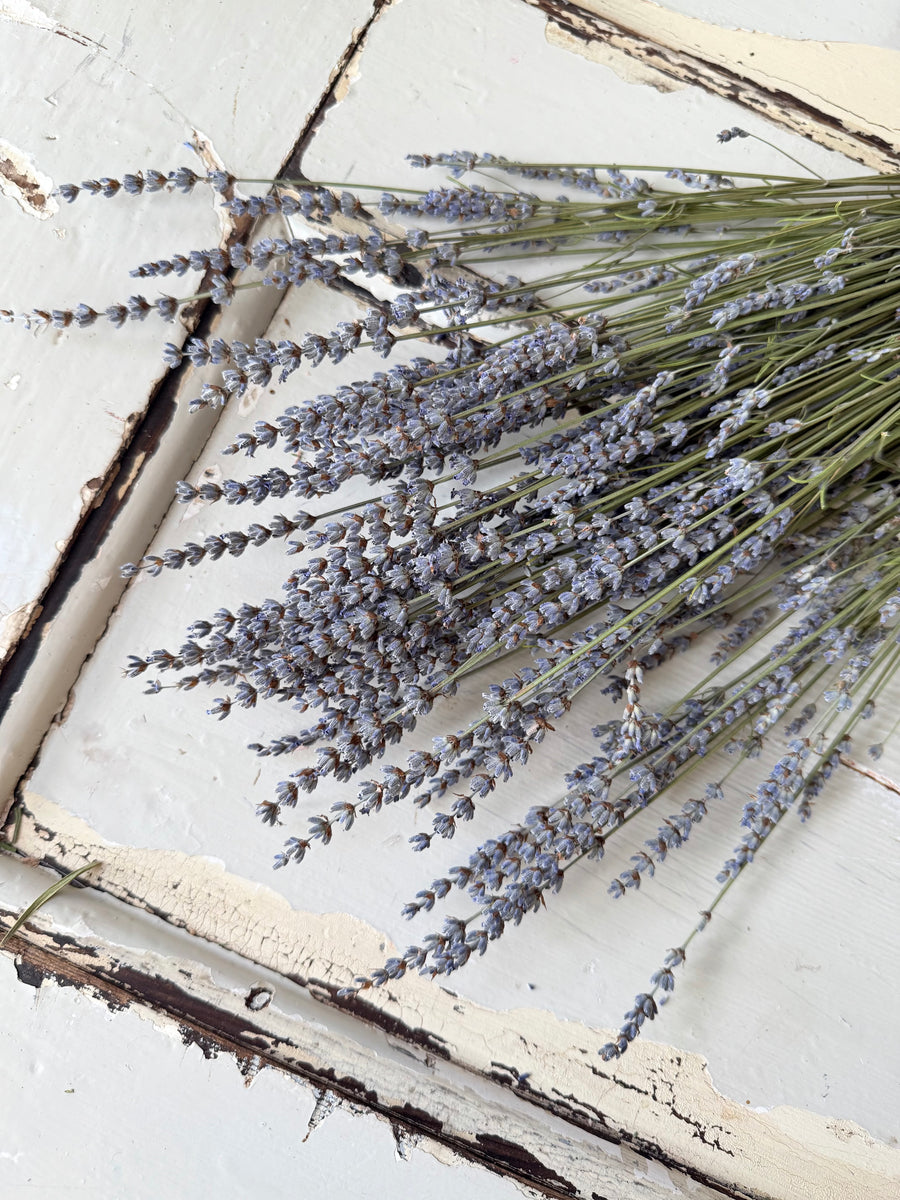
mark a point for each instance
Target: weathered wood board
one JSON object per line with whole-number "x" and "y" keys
{"x": 97, "y": 89}
{"x": 787, "y": 993}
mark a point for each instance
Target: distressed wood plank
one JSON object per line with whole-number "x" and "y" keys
{"x": 839, "y": 94}
{"x": 112, "y": 89}
{"x": 186, "y": 1109}
{"x": 152, "y": 774}
{"x": 659, "y": 1102}
{"x": 268, "y": 1024}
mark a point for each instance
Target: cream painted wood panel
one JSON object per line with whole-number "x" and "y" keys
{"x": 136, "y": 1107}
{"x": 787, "y": 996}
{"x": 96, "y": 88}
{"x": 839, "y": 93}
{"x": 867, "y": 23}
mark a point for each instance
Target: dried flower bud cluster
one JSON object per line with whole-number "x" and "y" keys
{"x": 719, "y": 455}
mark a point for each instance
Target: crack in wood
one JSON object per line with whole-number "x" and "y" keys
{"x": 216, "y": 1023}
{"x": 214, "y": 1031}
{"x": 776, "y": 104}
{"x": 292, "y": 166}
{"x": 576, "y": 1106}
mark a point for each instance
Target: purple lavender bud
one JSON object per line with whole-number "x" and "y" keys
{"x": 137, "y": 307}
{"x": 184, "y": 179}
{"x": 167, "y": 307}
{"x": 117, "y": 314}
{"x": 220, "y": 181}
{"x": 84, "y": 316}
{"x": 222, "y": 290}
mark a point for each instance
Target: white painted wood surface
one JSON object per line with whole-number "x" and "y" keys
{"x": 93, "y": 89}
{"x": 128, "y": 1105}
{"x": 787, "y": 996}
{"x": 98, "y": 88}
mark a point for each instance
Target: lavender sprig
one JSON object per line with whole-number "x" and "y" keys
{"x": 694, "y": 426}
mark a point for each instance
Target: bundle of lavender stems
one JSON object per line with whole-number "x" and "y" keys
{"x": 684, "y": 420}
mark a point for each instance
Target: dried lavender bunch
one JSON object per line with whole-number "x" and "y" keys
{"x": 673, "y": 410}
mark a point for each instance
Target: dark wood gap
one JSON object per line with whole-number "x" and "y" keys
{"x": 212, "y": 1030}
{"x": 145, "y": 438}
{"x": 776, "y": 104}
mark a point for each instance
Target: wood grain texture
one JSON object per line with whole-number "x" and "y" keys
{"x": 836, "y": 93}
{"x": 102, "y": 89}
{"x": 756, "y": 1089}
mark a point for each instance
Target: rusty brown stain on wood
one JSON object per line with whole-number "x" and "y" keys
{"x": 26, "y": 187}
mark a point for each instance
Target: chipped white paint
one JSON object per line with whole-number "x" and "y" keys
{"x": 853, "y": 82}
{"x": 15, "y": 620}
{"x": 165, "y": 798}
{"x": 172, "y": 1121}
{"x": 294, "y": 1032}
{"x": 628, "y": 69}
{"x": 657, "y": 1095}
{"x": 74, "y": 83}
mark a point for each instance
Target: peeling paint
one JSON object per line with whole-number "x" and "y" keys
{"x": 326, "y": 1103}
{"x": 135, "y": 467}
{"x": 22, "y": 182}
{"x": 660, "y": 1100}
{"x": 341, "y": 78}
{"x": 21, "y": 12}
{"x": 179, "y": 997}
{"x": 14, "y": 625}
{"x": 61, "y": 717}
{"x": 250, "y": 1068}
{"x": 629, "y": 69}
{"x": 405, "y": 1142}
{"x": 191, "y": 1037}
{"x": 841, "y": 94}
{"x": 347, "y": 78}
{"x": 89, "y": 491}
{"x": 213, "y": 161}
{"x": 34, "y": 975}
